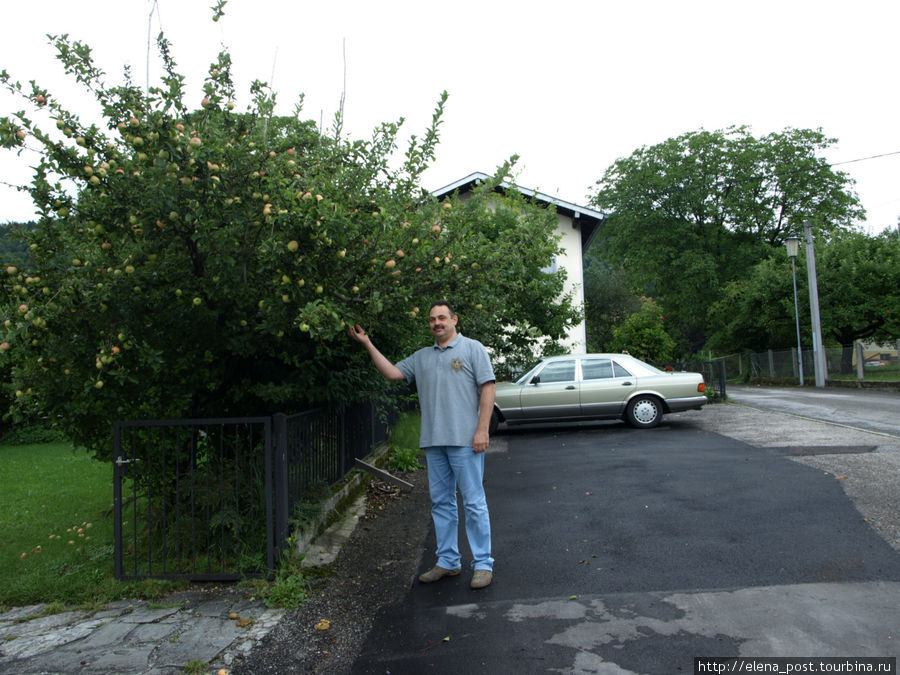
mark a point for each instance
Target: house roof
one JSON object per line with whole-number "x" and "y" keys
{"x": 588, "y": 220}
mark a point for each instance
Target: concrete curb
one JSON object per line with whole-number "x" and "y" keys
{"x": 318, "y": 540}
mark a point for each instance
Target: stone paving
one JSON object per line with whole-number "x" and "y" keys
{"x": 136, "y": 636}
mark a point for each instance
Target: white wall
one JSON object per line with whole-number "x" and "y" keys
{"x": 571, "y": 260}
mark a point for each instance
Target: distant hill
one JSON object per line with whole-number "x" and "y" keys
{"x": 12, "y": 250}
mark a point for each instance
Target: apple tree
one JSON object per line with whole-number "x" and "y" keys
{"x": 203, "y": 261}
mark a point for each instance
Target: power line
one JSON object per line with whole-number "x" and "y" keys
{"x": 761, "y": 177}
{"x": 863, "y": 159}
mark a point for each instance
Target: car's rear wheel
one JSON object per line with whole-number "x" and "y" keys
{"x": 644, "y": 412}
{"x": 495, "y": 422}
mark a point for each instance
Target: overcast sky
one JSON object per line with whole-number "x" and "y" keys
{"x": 568, "y": 86}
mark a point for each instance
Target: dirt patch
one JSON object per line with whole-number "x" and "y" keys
{"x": 375, "y": 567}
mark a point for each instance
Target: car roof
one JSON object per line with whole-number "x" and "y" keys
{"x": 621, "y": 358}
{"x": 564, "y": 357}
{"x": 635, "y": 365}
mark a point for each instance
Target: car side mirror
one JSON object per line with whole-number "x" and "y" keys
{"x": 535, "y": 380}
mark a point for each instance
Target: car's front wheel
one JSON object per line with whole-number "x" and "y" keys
{"x": 644, "y": 412}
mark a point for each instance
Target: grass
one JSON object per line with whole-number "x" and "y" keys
{"x": 56, "y": 529}
{"x": 404, "y": 443}
{"x": 885, "y": 374}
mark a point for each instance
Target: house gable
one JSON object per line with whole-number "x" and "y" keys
{"x": 577, "y": 226}
{"x": 587, "y": 220}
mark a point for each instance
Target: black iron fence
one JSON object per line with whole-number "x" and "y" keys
{"x": 211, "y": 499}
{"x": 316, "y": 448}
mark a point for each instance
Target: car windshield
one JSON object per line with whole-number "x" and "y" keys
{"x": 528, "y": 373}
{"x": 634, "y": 366}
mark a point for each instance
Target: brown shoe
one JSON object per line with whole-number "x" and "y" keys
{"x": 482, "y": 578}
{"x": 435, "y": 573}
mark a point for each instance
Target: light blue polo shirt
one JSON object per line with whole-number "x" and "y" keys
{"x": 448, "y": 381}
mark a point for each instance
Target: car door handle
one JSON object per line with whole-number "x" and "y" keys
{"x": 571, "y": 386}
{"x": 627, "y": 384}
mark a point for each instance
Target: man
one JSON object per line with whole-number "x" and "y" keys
{"x": 456, "y": 388}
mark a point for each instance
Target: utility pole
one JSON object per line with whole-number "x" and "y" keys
{"x": 818, "y": 348}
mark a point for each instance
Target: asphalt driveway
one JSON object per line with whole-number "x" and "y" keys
{"x": 871, "y": 409}
{"x": 622, "y": 550}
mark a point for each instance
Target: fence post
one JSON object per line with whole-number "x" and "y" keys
{"x": 860, "y": 360}
{"x": 280, "y": 479}
{"x": 117, "y": 498}
{"x": 342, "y": 449}
{"x": 771, "y": 364}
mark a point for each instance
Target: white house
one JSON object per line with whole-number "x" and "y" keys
{"x": 577, "y": 226}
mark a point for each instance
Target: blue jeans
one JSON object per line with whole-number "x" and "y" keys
{"x": 448, "y": 467}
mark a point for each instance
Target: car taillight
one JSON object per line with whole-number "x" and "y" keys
{"x": 701, "y": 387}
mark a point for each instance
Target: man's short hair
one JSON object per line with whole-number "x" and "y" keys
{"x": 442, "y": 303}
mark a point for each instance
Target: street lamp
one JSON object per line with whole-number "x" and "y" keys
{"x": 793, "y": 250}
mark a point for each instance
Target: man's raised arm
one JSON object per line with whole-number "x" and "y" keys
{"x": 385, "y": 367}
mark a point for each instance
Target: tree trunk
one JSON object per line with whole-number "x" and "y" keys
{"x": 846, "y": 359}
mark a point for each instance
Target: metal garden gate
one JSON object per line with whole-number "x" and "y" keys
{"x": 194, "y": 498}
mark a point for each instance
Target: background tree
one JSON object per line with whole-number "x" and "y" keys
{"x": 609, "y": 300}
{"x": 200, "y": 261}
{"x": 857, "y": 277}
{"x": 695, "y": 212}
{"x": 756, "y": 312}
{"x": 858, "y": 298}
{"x": 12, "y": 249}
{"x": 643, "y": 335}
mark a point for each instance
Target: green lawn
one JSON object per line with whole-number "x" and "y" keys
{"x": 884, "y": 374}
{"x": 56, "y": 528}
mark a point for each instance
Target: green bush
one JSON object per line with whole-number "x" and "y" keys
{"x": 404, "y": 459}
{"x": 290, "y": 587}
{"x": 643, "y": 335}
{"x": 31, "y": 435}
{"x": 404, "y": 443}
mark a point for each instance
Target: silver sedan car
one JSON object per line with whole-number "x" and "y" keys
{"x": 596, "y": 387}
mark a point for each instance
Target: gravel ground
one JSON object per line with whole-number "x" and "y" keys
{"x": 375, "y": 567}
